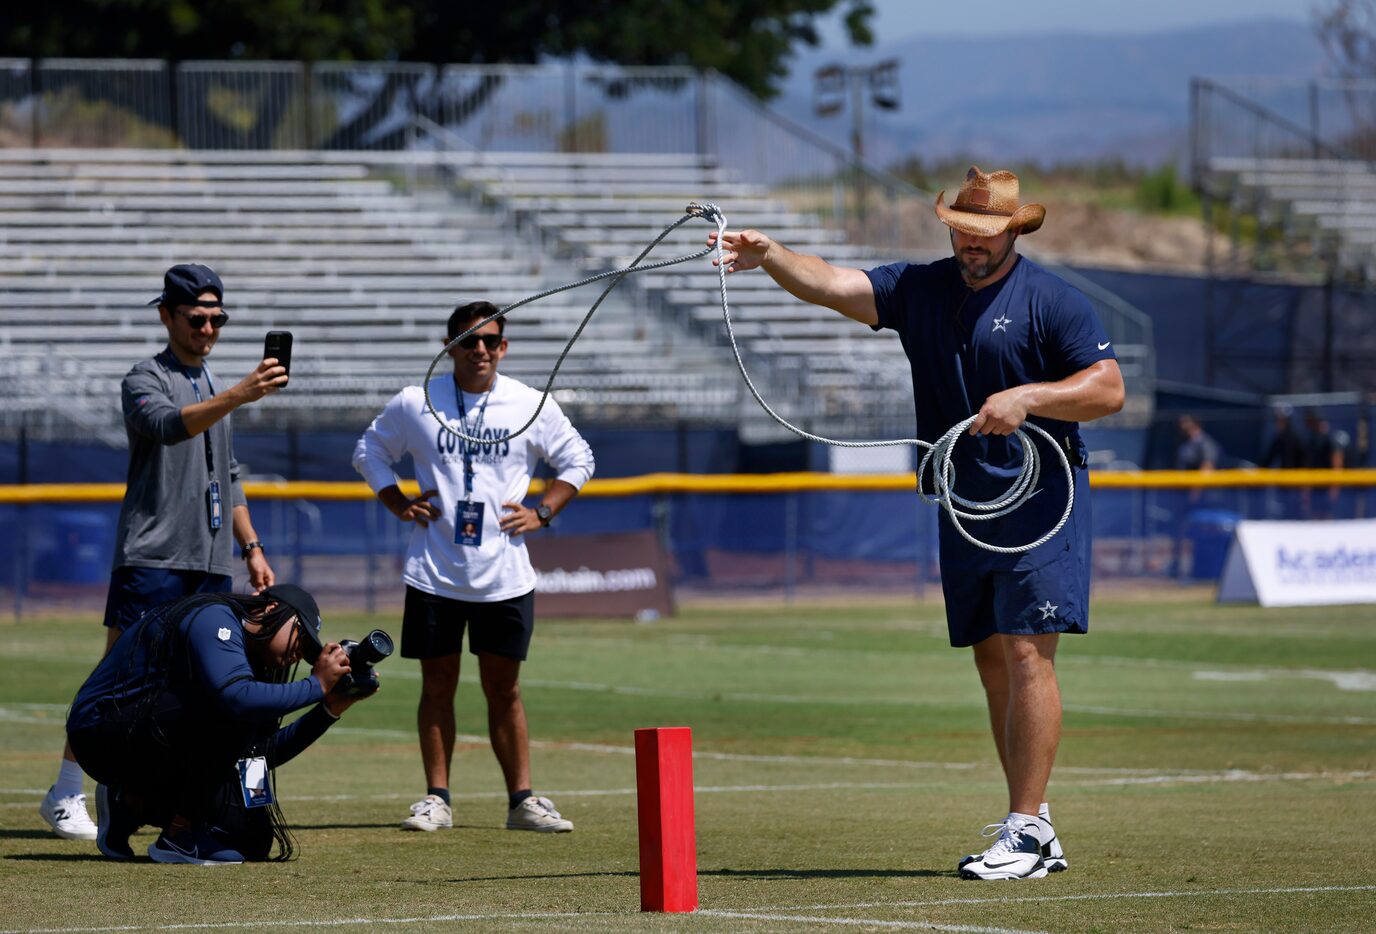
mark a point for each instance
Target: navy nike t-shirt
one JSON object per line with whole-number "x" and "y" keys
{"x": 964, "y": 346}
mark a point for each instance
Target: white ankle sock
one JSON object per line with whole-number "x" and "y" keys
{"x": 69, "y": 779}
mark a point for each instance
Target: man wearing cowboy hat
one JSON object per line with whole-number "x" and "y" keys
{"x": 992, "y": 335}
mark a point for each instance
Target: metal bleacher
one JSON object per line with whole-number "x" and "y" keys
{"x": 362, "y": 261}
{"x": 361, "y": 270}
{"x": 805, "y": 360}
{"x": 1330, "y": 203}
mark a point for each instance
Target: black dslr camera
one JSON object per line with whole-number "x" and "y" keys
{"x": 361, "y": 679}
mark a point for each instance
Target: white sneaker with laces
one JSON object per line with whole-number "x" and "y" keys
{"x": 1052, "y": 854}
{"x": 68, "y": 816}
{"x": 1016, "y": 854}
{"x": 537, "y": 814}
{"x": 429, "y": 813}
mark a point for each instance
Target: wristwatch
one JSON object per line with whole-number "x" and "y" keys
{"x": 545, "y": 514}
{"x": 248, "y": 549}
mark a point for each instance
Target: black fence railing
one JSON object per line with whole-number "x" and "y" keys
{"x": 1269, "y": 118}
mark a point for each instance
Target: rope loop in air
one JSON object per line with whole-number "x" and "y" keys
{"x": 936, "y": 461}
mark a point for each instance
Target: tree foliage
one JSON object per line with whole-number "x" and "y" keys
{"x": 749, "y": 42}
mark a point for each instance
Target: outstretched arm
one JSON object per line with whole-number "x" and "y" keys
{"x": 809, "y": 278}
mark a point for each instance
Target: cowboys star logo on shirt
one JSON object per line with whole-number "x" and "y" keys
{"x": 1001, "y": 323}
{"x": 223, "y": 634}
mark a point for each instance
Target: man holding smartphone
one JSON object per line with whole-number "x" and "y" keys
{"x": 183, "y": 498}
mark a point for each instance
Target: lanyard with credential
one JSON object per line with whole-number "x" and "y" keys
{"x": 475, "y": 432}
{"x": 214, "y": 506}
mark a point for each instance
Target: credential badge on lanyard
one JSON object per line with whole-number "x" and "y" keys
{"x": 255, "y": 782}
{"x": 468, "y": 514}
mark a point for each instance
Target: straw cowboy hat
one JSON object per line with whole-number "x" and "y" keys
{"x": 987, "y": 205}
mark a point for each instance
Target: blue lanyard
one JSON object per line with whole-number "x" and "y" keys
{"x": 475, "y": 432}
{"x": 196, "y": 388}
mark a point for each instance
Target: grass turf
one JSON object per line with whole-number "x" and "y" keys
{"x": 1218, "y": 772}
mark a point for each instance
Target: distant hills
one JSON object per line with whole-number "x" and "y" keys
{"x": 1055, "y": 97}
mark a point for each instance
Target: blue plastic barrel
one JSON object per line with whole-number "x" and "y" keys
{"x": 81, "y": 548}
{"x": 1210, "y": 532}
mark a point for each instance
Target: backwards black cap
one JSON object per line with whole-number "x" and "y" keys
{"x": 306, "y": 612}
{"x": 183, "y": 285}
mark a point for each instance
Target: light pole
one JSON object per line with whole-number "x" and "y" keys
{"x": 834, "y": 83}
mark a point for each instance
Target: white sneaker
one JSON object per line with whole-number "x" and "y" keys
{"x": 429, "y": 813}
{"x": 537, "y": 814}
{"x": 68, "y": 817}
{"x": 1052, "y": 854}
{"x": 1016, "y": 854}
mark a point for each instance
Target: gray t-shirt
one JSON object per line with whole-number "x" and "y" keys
{"x": 164, "y": 521}
{"x": 1194, "y": 453}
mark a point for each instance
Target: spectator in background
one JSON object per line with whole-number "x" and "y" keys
{"x": 183, "y": 499}
{"x": 1325, "y": 449}
{"x": 1197, "y": 451}
{"x": 1287, "y": 447}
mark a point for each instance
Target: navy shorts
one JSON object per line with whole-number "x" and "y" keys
{"x": 135, "y": 590}
{"x": 1043, "y": 591}
{"x": 432, "y": 626}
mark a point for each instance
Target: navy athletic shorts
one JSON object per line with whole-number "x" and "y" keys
{"x": 432, "y": 626}
{"x": 1042, "y": 591}
{"x": 135, "y": 590}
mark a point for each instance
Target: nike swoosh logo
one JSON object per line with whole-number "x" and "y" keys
{"x": 999, "y": 865}
{"x": 1105, "y": 344}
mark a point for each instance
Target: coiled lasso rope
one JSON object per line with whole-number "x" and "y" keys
{"x": 937, "y": 457}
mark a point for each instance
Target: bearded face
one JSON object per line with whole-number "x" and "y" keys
{"x": 981, "y": 257}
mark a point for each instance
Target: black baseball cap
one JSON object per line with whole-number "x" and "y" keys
{"x": 184, "y": 283}
{"x": 307, "y": 613}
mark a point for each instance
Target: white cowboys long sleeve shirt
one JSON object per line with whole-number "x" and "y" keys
{"x": 500, "y": 568}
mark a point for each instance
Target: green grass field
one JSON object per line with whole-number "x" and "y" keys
{"x": 1218, "y": 773}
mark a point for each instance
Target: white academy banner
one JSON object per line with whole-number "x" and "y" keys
{"x": 1301, "y": 563}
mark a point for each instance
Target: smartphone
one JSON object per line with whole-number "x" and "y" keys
{"x": 278, "y": 344}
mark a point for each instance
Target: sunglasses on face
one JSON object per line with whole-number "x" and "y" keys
{"x": 490, "y": 341}
{"x": 217, "y": 320}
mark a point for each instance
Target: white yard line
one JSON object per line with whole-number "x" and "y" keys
{"x": 776, "y": 914}
{"x": 863, "y": 922}
{"x": 1016, "y": 900}
{"x": 1194, "y": 778}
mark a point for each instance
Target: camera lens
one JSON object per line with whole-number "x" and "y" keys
{"x": 374, "y": 647}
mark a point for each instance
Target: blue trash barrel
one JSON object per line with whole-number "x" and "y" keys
{"x": 82, "y": 548}
{"x": 1210, "y": 532}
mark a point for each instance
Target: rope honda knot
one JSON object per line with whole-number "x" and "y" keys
{"x": 704, "y": 209}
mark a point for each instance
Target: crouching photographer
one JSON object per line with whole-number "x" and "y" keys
{"x": 180, "y": 723}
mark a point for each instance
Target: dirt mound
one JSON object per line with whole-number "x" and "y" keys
{"x": 1089, "y": 235}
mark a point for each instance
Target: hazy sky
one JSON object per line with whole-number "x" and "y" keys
{"x": 899, "y": 19}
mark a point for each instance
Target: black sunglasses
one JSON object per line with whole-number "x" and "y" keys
{"x": 490, "y": 341}
{"x": 216, "y": 320}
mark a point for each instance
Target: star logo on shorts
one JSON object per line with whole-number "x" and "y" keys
{"x": 1001, "y": 323}
{"x": 1048, "y": 611}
